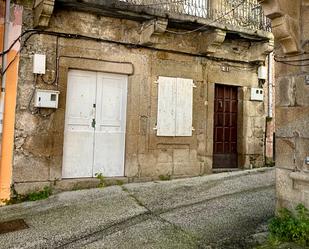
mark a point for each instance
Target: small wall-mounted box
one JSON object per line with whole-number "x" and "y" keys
{"x": 39, "y": 63}
{"x": 46, "y": 98}
{"x": 257, "y": 94}
{"x": 262, "y": 73}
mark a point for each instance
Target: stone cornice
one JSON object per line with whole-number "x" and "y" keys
{"x": 214, "y": 40}
{"x": 285, "y": 28}
{"x": 43, "y": 9}
{"x": 259, "y": 50}
{"x": 272, "y": 9}
{"x": 150, "y": 28}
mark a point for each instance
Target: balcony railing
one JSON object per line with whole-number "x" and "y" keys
{"x": 243, "y": 13}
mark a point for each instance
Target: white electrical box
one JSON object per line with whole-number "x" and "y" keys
{"x": 39, "y": 63}
{"x": 257, "y": 94}
{"x": 46, "y": 98}
{"x": 262, "y": 73}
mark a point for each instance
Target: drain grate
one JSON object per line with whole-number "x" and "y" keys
{"x": 12, "y": 226}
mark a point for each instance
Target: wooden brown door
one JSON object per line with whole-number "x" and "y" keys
{"x": 225, "y": 127}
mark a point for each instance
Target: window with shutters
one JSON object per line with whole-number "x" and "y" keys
{"x": 175, "y": 104}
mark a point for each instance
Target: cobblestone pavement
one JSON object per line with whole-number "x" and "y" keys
{"x": 200, "y": 212}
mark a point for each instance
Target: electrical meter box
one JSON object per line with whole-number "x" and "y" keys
{"x": 257, "y": 94}
{"x": 46, "y": 98}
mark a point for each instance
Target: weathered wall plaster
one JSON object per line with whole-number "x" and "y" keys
{"x": 39, "y": 135}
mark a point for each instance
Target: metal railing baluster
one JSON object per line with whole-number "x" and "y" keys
{"x": 243, "y": 13}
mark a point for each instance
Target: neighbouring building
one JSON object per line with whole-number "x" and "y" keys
{"x": 140, "y": 89}
{"x": 10, "y": 31}
{"x": 290, "y": 25}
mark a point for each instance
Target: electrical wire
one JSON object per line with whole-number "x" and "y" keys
{"x": 47, "y": 114}
{"x": 291, "y": 64}
{"x": 298, "y": 60}
{"x": 76, "y": 36}
{"x": 126, "y": 44}
{"x": 16, "y": 55}
{"x": 32, "y": 96}
{"x": 17, "y": 40}
{"x": 295, "y": 55}
{"x": 11, "y": 62}
{"x": 169, "y": 31}
{"x": 163, "y": 3}
{"x": 290, "y": 56}
{"x": 56, "y": 66}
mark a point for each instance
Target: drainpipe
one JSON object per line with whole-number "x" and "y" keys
{"x": 270, "y": 104}
{"x": 4, "y": 58}
{"x": 5, "y": 170}
{"x": 270, "y": 85}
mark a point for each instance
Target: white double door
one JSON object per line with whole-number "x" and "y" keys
{"x": 95, "y": 124}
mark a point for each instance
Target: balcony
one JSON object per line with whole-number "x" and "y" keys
{"x": 246, "y": 14}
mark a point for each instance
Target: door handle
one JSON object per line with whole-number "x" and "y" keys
{"x": 93, "y": 123}
{"x": 220, "y": 103}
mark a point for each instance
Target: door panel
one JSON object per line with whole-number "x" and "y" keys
{"x": 110, "y": 125}
{"x": 78, "y": 133}
{"x": 94, "y": 136}
{"x": 225, "y": 127}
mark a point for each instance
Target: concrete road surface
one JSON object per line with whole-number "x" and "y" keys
{"x": 215, "y": 211}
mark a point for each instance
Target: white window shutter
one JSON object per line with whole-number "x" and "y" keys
{"x": 184, "y": 106}
{"x": 166, "y": 123}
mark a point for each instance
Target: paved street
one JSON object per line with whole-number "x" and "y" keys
{"x": 184, "y": 213}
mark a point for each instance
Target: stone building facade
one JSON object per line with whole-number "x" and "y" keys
{"x": 291, "y": 30}
{"x": 146, "y": 46}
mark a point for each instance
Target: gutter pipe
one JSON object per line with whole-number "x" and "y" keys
{"x": 270, "y": 85}
{"x": 4, "y": 58}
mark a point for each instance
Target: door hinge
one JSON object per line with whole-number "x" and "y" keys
{"x": 93, "y": 123}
